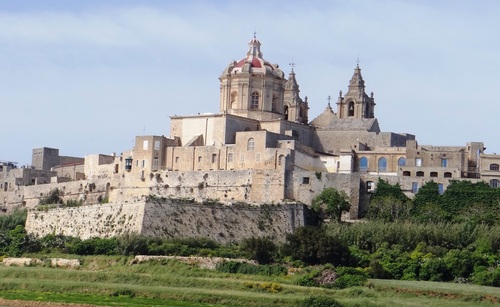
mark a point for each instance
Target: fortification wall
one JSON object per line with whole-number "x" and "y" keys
{"x": 29, "y": 196}
{"x": 103, "y": 221}
{"x": 169, "y": 219}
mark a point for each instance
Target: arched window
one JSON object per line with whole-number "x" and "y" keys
{"x": 407, "y": 173}
{"x": 494, "y": 183}
{"x": 233, "y": 100}
{"x": 494, "y": 167}
{"x": 402, "y": 161}
{"x": 275, "y": 102}
{"x": 382, "y": 164}
{"x": 255, "y": 101}
{"x": 350, "y": 109}
{"x": 251, "y": 144}
{"x": 447, "y": 175}
{"x": 286, "y": 112}
{"x": 363, "y": 164}
{"x": 434, "y": 174}
{"x": 420, "y": 174}
{"x": 281, "y": 160}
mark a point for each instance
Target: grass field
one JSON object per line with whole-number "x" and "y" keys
{"x": 111, "y": 281}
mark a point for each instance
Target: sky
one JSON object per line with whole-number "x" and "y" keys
{"x": 86, "y": 77}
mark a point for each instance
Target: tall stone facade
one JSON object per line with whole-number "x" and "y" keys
{"x": 261, "y": 149}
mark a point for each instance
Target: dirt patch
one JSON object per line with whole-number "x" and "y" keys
{"x": 18, "y": 303}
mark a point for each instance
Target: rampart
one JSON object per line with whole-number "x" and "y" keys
{"x": 171, "y": 218}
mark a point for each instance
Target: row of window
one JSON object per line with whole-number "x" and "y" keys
{"x": 230, "y": 158}
{"x": 431, "y": 174}
{"x": 382, "y": 163}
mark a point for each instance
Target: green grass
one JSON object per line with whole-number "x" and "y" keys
{"x": 111, "y": 281}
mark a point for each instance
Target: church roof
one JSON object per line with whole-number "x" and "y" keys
{"x": 346, "y": 124}
{"x": 324, "y": 119}
{"x": 254, "y": 63}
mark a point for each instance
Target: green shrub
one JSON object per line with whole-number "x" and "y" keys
{"x": 349, "y": 280}
{"x": 321, "y": 301}
{"x": 250, "y": 269}
{"x": 10, "y": 221}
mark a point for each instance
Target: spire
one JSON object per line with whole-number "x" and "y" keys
{"x": 291, "y": 83}
{"x": 357, "y": 80}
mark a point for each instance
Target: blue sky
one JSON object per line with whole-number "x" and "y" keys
{"x": 88, "y": 76}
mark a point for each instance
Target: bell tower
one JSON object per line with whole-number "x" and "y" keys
{"x": 356, "y": 103}
{"x": 295, "y": 109}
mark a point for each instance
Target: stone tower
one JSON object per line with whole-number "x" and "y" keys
{"x": 356, "y": 103}
{"x": 295, "y": 109}
{"x": 253, "y": 87}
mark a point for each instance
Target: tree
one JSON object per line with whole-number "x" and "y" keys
{"x": 385, "y": 189}
{"x": 261, "y": 249}
{"x": 312, "y": 245}
{"x": 389, "y": 209}
{"x": 331, "y": 203}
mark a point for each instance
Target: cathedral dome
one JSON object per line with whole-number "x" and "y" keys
{"x": 254, "y": 63}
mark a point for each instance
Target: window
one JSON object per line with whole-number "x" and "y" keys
{"x": 255, "y": 101}
{"x": 275, "y": 102}
{"x": 420, "y": 174}
{"x": 363, "y": 164}
{"x": 440, "y": 188}
{"x": 143, "y": 163}
{"x": 156, "y": 162}
{"x": 406, "y": 173}
{"x": 257, "y": 157}
{"x": 305, "y": 180}
{"x": 285, "y": 111}
{"x": 414, "y": 187}
{"x": 214, "y": 158}
{"x": 434, "y": 174}
{"x": 418, "y": 161}
{"x": 382, "y": 164}
{"x": 176, "y": 159}
{"x": 447, "y": 175}
{"x": 251, "y": 144}
{"x": 444, "y": 162}
{"x": 494, "y": 183}
{"x": 370, "y": 186}
{"x": 145, "y": 145}
{"x": 242, "y": 158}
{"x": 199, "y": 159}
{"x": 230, "y": 157}
{"x": 494, "y": 167}
{"x": 281, "y": 160}
{"x": 157, "y": 145}
{"x": 401, "y": 161}
{"x": 350, "y": 109}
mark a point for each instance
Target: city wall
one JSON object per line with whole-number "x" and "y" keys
{"x": 169, "y": 219}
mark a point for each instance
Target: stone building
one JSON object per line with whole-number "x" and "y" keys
{"x": 262, "y": 147}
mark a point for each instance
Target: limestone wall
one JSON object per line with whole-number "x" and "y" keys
{"x": 169, "y": 219}
{"x": 104, "y": 221}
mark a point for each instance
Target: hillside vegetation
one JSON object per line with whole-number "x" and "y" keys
{"x": 394, "y": 257}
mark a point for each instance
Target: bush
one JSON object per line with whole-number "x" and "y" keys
{"x": 10, "y": 221}
{"x": 349, "y": 280}
{"x": 321, "y": 302}
{"x": 262, "y": 250}
{"x": 250, "y": 269}
{"x": 487, "y": 277}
